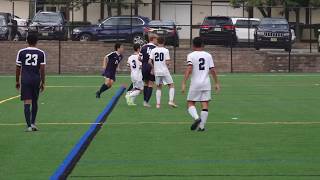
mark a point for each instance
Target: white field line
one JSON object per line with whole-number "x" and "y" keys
{"x": 170, "y": 123}
{"x": 9, "y": 99}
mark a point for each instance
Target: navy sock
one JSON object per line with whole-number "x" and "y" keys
{"x": 27, "y": 114}
{"x": 149, "y": 93}
{"x": 130, "y": 87}
{"x": 145, "y": 92}
{"x": 103, "y": 88}
{"x": 34, "y": 112}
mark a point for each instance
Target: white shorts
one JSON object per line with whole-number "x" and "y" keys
{"x": 165, "y": 80}
{"x": 199, "y": 96}
{"x": 137, "y": 83}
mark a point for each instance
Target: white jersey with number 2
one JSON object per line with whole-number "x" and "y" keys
{"x": 159, "y": 56}
{"x": 201, "y": 62}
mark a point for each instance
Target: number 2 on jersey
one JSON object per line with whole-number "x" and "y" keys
{"x": 31, "y": 59}
{"x": 201, "y": 64}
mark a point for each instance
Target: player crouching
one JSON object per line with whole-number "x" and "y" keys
{"x": 159, "y": 60}
{"x": 136, "y": 75}
{"x": 110, "y": 65}
{"x": 200, "y": 64}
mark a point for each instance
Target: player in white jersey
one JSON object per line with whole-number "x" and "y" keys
{"x": 200, "y": 64}
{"x": 159, "y": 60}
{"x": 135, "y": 64}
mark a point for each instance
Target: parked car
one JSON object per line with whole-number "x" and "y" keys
{"x": 167, "y": 29}
{"x": 8, "y": 26}
{"x": 245, "y": 28}
{"x": 273, "y": 33}
{"x": 115, "y": 28}
{"x": 22, "y": 28}
{"x": 218, "y": 29}
{"x": 49, "y": 25}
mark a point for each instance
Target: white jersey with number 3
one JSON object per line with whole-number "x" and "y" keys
{"x": 159, "y": 56}
{"x": 135, "y": 67}
{"x": 201, "y": 62}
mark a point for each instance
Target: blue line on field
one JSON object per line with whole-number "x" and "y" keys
{"x": 67, "y": 165}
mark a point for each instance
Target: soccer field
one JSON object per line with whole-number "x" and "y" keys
{"x": 260, "y": 126}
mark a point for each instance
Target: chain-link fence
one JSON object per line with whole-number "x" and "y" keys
{"x": 228, "y": 31}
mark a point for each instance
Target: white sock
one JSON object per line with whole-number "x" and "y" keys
{"x": 133, "y": 94}
{"x": 204, "y": 117}
{"x": 171, "y": 94}
{"x": 158, "y": 96}
{"x": 193, "y": 112}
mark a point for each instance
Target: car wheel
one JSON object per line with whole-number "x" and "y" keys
{"x": 257, "y": 48}
{"x": 288, "y": 49}
{"x": 85, "y": 37}
{"x": 138, "y": 39}
{"x": 16, "y": 37}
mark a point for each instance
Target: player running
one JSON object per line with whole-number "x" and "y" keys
{"x": 200, "y": 64}
{"x": 30, "y": 66}
{"x": 136, "y": 75}
{"x": 148, "y": 77}
{"x": 110, "y": 65}
{"x": 160, "y": 60}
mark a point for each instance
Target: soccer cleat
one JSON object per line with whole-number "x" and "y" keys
{"x": 195, "y": 124}
{"x": 201, "y": 129}
{"x": 172, "y": 104}
{"x": 29, "y": 129}
{"x": 128, "y": 99}
{"x": 158, "y": 106}
{"x": 98, "y": 94}
{"x": 34, "y": 127}
{"x": 145, "y": 104}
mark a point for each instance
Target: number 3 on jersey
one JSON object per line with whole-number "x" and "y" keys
{"x": 201, "y": 64}
{"x": 134, "y": 64}
{"x": 31, "y": 59}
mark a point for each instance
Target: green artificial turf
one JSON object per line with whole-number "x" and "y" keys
{"x": 260, "y": 126}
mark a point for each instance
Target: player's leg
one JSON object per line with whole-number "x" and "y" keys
{"x": 158, "y": 91}
{"x": 130, "y": 87}
{"x": 105, "y": 86}
{"x": 26, "y": 96}
{"x": 194, "y": 114}
{"x": 168, "y": 80}
{"x": 27, "y": 113}
{"x": 34, "y": 109}
{"x": 137, "y": 86}
{"x": 203, "y": 115}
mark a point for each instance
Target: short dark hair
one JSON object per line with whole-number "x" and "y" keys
{"x": 161, "y": 40}
{"x": 136, "y": 47}
{"x": 117, "y": 46}
{"x": 197, "y": 42}
{"x": 32, "y": 39}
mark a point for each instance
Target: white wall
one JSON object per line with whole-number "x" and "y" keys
{"x": 21, "y": 8}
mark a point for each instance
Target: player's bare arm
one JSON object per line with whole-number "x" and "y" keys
{"x": 105, "y": 62}
{"x": 43, "y": 77}
{"x": 18, "y": 71}
{"x": 187, "y": 74}
{"x": 215, "y": 78}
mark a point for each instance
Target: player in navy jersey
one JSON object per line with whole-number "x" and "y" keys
{"x": 30, "y": 79}
{"x": 110, "y": 65}
{"x": 148, "y": 76}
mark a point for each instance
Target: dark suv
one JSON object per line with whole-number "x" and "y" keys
{"x": 49, "y": 25}
{"x": 116, "y": 28}
{"x": 273, "y": 33}
{"x": 217, "y": 30}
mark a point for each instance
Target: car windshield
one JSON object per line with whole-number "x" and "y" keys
{"x": 47, "y": 17}
{"x": 2, "y": 21}
{"x": 272, "y": 23}
{"x": 217, "y": 21}
{"x": 162, "y": 24}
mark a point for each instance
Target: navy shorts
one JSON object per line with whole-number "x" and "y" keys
{"x": 30, "y": 91}
{"x": 109, "y": 75}
{"x": 146, "y": 73}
